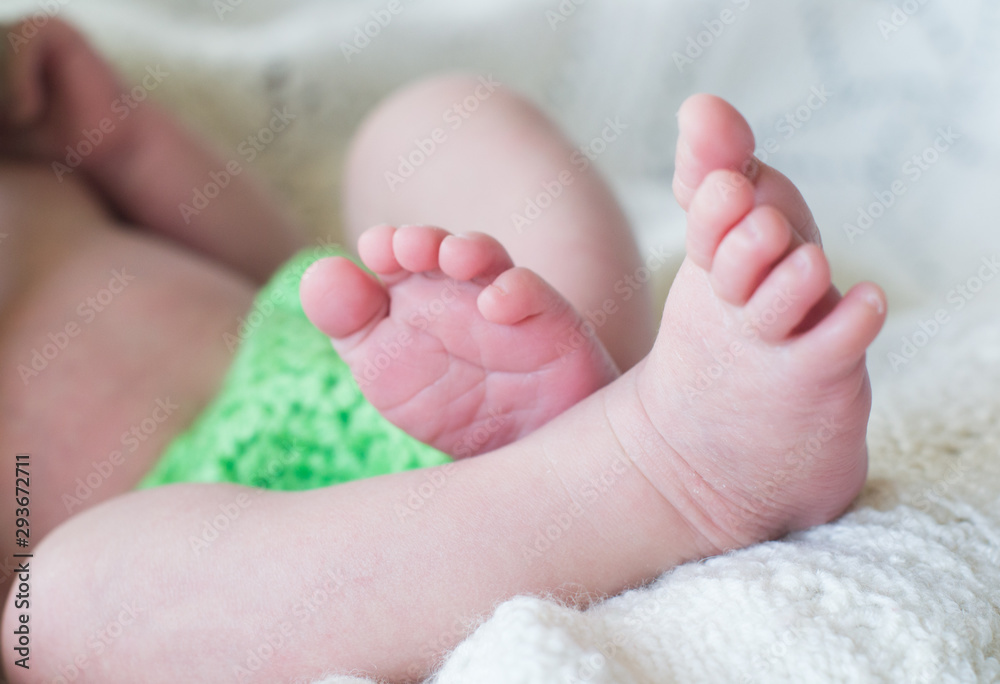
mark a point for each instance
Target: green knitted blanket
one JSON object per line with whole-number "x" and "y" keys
{"x": 289, "y": 415}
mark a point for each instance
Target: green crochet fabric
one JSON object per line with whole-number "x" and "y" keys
{"x": 289, "y": 416}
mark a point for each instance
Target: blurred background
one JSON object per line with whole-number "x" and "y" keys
{"x": 850, "y": 99}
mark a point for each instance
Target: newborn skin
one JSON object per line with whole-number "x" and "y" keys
{"x": 483, "y": 353}
{"x": 744, "y": 421}
{"x": 756, "y": 388}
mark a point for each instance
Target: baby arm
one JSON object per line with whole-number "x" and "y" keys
{"x": 58, "y": 95}
{"x": 152, "y": 184}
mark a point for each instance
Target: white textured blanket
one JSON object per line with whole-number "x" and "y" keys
{"x": 885, "y": 114}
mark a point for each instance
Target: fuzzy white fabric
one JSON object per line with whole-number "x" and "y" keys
{"x": 905, "y": 587}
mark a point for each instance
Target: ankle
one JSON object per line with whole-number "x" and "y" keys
{"x": 716, "y": 518}
{"x": 635, "y": 487}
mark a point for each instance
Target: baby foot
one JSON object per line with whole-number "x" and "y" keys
{"x": 757, "y": 382}
{"x": 455, "y": 345}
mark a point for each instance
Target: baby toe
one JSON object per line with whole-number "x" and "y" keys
{"x": 748, "y": 253}
{"x": 341, "y": 299}
{"x": 417, "y": 247}
{"x": 518, "y": 294}
{"x": 473, "y": 256}
{"x": 713, "y": 135}
{"x": 376, "y": 252}
{"x": 788, "y": 294}
{"x": 838, "y": 342}
{"x": 720, "y": 203}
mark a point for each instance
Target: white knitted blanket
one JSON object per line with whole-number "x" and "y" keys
{"x": 885, "y": 115}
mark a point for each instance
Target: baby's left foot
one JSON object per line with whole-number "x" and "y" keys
{"x": 455, "y": 346}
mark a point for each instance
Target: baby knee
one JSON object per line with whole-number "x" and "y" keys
{"x": 440, "y": 106}
{"x": 461, "y": 93}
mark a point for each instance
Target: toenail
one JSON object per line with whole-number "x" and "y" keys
{"x": 750, "y": 228}
{"x": 875, "y": 302}
{"x": 685, "y": 155}
{"x": 801, "y": 260}
{"x": 309, "y": 272}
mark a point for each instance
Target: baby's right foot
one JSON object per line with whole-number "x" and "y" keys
{"x": 748, "y": 418}
{"x": 455, "y": 346}
{"x": 756, "y": 387}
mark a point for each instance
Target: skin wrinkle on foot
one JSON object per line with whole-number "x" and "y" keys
{"x": 691, "y": 485}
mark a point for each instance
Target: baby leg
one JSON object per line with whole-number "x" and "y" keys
{"x": 468, "y": 155}
{"x": 656, "y": 468}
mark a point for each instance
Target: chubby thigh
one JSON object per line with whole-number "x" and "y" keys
{"x": 112, "y": 341}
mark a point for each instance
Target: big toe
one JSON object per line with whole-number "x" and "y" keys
{"x": 340, "y": 299}
{"x": 713, "y": 135}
